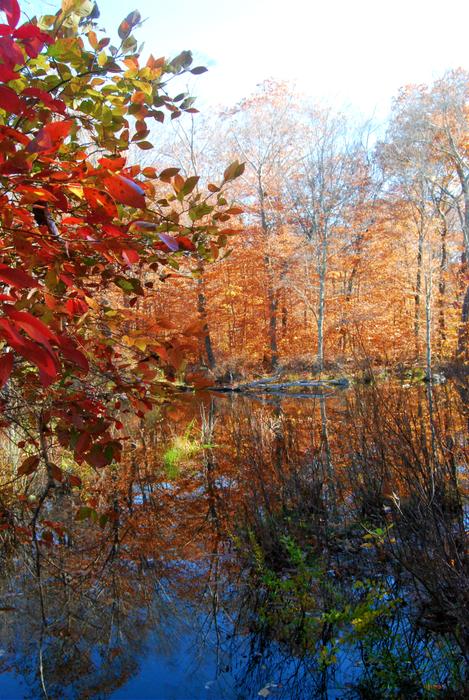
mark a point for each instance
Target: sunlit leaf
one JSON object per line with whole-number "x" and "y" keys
{"x": 125, "y": 191}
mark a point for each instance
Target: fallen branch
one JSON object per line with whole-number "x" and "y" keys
{"x": 269, "y": 387}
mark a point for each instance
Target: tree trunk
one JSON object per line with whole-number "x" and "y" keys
{"x": 322, "y": 269}
{"x": 463, "y": 335}
{"x": 272, "y": 300}
{"x": 202, "y": 309}
{"x": 442, "y": 289}
{"x": 418, "y": 291}
{"x": 428, "y": 321}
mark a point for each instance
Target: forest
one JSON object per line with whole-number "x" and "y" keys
{"x": 233, "y": 380}
{"x": 352, "y": 245}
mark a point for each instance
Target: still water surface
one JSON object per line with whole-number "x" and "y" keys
{"x": 284, "y": 548}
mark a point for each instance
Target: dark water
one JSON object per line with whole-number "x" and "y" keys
{"x": 247, "y": 548}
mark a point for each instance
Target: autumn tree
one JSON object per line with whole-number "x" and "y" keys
{"x": 78, "y": 224}
{"x": 263, "y": 131}
{"x": 427, "y": 137}
{"x": 329, "y": 182}
{"x": 347, "y": 249}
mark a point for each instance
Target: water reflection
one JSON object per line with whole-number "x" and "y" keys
{"x": 292, "y": 549}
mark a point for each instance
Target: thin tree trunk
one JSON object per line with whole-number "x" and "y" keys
{"x": 272, "y": 299}
{"x": 463, "y": 335}
{"x": 428, "y": 321}
{"x": 418, "y": 291}
{"x": 202, "y": 309}
{"x": 272, "y": 302}
{"x": 442, "y": 288}
{"x": 322, "y": 269}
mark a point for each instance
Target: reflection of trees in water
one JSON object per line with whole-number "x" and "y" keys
{"x": 394, "y": 457}
{"x": 99, "y": 607}
{"x": 254, "y": 547}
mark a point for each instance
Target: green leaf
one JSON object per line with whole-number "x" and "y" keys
{"x": 103, "y": 519}
{"x": 84, "y": 512}
{"x": 109, "y": 451}
{"x": 189, "y": 185}
{"x": 200, "y": 211}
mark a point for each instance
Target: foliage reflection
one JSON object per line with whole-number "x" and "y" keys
{"x": 298, "y": 549}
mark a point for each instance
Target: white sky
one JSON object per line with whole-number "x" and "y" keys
{"x": 356, "y": 53}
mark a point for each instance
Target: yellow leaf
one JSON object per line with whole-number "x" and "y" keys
{"x": 77, "y": 190}
{"x": 92, "y": 303}
{"x": 82, "y": 8}
{"x": 144, "y": 87}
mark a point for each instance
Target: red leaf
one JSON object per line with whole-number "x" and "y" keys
{"x": 11, "y": 53}
{"x": 44, "y": 360}
{"x": 17, "y": 164}
{"x": 45, "y": 98}
{"x": 125, "y": 191}
{"x": 56, "y": 472}
{"x": 12, "y": 11}
{"x": 76, "y": 307}
{"x": 6, "y": 365}
{"x": 49, "y": 137}
{"x": 130, "y": 256}
{"x": 71, "y": 353}
{"x": 33, "y": 39}
{"x": 112, "y": 163}
{"x": 11, "y": 335}
{"x": 32, "y": 194}
{"x": 115, "y": 232}
{"x": 16, "y": 278}
{"x": 162, "y": 352}
{"x": 9, "y": 100}
{"x": 14, "y": 134}
{"x": 83, "y": 444}
{"x": 7, "y": 74}
{"x": 185, "y": 243}
{"x": 43, "y": 357}
{"x": 35, "y": 328}
{"x": 96, "y": 457}
{"x": 101, "y": 203}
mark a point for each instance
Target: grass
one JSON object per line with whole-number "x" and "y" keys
{"x": 182, "y": 449}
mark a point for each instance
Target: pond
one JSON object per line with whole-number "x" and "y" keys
{"x": 281, "y": 547}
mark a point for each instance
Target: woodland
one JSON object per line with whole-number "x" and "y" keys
{"x": 233, "y": 380}
{"x": 352, "y": 245}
